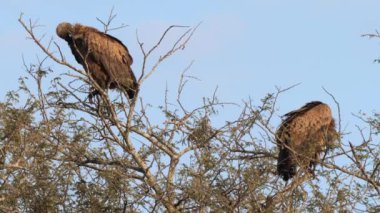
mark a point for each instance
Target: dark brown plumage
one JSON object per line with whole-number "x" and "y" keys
{"x": 104, "y": 57}
{"x": 302, "y": 136}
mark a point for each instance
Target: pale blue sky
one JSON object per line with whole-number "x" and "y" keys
{"x": 246, "y": 48}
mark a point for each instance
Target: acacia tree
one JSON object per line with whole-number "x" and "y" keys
{"x": 60, "y": 153}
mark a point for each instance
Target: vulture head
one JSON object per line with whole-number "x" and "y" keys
{"x": 64, "y": 30}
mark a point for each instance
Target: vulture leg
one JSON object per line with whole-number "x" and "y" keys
{"x": 311, "y": 169}
{"x": 91, "y": 95}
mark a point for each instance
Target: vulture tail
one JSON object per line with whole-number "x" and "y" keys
{"x": 285, "y": 165}
{"x": 132, "y": 91}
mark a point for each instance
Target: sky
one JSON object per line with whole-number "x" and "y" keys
{"x": 244, "y": 48}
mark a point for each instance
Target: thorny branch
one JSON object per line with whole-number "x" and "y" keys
{"x": 125, "y": 155}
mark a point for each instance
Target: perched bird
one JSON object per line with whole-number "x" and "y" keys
{"x": 103, "y": 56}
{"x": 302, "y": 136}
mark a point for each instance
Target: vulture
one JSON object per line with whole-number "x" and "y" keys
{"x": 105, "y": 58}
{"x": 302, "y": 136}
